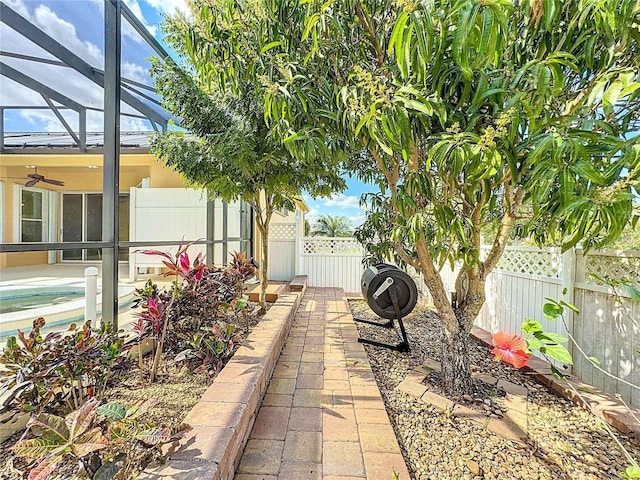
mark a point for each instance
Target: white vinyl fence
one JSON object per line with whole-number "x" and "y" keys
{"x": 607, "y": 328}
{"x": 331, "y": 262}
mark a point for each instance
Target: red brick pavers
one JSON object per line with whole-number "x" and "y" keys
{"x": 322, "y": 416}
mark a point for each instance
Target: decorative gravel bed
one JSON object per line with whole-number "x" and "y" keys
{"x": 565, "y": 441}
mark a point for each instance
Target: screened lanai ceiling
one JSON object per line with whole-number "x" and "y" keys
{"x": 52, "y": 57}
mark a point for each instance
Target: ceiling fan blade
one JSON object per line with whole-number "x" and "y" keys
{"x": 35, "y": 176}
{"x": 31, "y": 183}
{"x": 53, "y": 182}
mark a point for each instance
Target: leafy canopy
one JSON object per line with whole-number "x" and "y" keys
{"x": 472, "y": 112}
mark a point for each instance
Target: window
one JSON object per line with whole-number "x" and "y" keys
{"x": 32, "y": 216}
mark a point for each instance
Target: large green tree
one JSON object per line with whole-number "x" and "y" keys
{"x": 467, "y": 113}
{"x": 228, "y": 148}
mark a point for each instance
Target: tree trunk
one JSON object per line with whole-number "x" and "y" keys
{"x": 455, "y": 371}
{"x": 264, "y": 268}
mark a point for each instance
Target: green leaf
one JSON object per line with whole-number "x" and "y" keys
{"x": 557, "y": 352}
{"x": 50, "y": 427}
{"x": 550, "y": 337}
{"x": 533, "y": 344}
{"x": 631, "y": 472}
{"x": 570, "y": 306}
{"x": 531, "y": 326}
{"x": 112, "y": 410}
{"x": 594, "y": 360}
{"x": 552, "y": 310}
{"x": 271, "y": 45}
{"x": 108, "y": 470}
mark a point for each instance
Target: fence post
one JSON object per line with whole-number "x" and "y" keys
{"x": 297, "y": 243}
{"x": 569, "y": 283}
{"x": 91, "y": 295}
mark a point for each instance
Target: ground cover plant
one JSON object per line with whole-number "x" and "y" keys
{"x": 78, "y": 384}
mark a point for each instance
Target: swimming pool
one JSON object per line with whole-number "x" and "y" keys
{"x": 59, "y": 304}
{"x": 33, "y": 298}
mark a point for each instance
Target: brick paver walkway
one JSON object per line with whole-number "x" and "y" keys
{"x": 322, "y": 416}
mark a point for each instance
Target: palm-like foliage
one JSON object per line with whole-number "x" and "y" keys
{"x": 330, "y": 226}
{"x": 467, "y": 113}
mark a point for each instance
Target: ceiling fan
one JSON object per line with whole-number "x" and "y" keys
{"x": 35, "y": 177}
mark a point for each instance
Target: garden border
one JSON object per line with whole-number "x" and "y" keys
{"x": 605, "y": 406}
{"x": 222, "y": 420}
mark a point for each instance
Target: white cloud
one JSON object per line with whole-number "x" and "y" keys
{"x": 65, "y": 33}
{"x": 357, "y": 220}
{"x": 343, "y": 201}
{"x": 128, "y": 30}
{"x": 169, "y": 6}
{"x": 136, "y": 72}
{"x": 18, "y": 6}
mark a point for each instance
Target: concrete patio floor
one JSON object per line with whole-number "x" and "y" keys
{"x": 322, "y": 416}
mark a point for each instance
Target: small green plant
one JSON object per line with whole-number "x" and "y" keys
{"x": 125, "y": 428}
{"x": 209, "y": 347}
{"x": 631, "y": 472}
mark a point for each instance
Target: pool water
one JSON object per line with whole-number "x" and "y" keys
{"x": 44, "y": 297}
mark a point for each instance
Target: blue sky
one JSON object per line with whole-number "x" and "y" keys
{"x": 78, "y": 25}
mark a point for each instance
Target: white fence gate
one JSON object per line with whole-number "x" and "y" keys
{"x": 331, "y": 262}
{"x": 282, "y": 251}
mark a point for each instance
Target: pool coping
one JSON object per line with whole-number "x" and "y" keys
{"x": 223, "y": 418}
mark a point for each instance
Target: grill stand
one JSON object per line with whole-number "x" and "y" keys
{"x": 403, "y": 345}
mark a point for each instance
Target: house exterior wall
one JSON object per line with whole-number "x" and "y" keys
{"x": 79, "y": 177}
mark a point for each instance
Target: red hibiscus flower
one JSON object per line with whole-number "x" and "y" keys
{"x": 510, "y": 349}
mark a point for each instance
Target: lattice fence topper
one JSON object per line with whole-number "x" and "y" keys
{"x": 282, "y": 231}
{"x": 531, "y": 262}
{"x": 612, "y": 268}
{"x": 330, "y": 245}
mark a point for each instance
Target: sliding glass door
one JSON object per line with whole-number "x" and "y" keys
{"x": 82, "y": 222}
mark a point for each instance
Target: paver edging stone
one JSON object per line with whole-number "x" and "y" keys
{"x": 229, "y": 447}
{"x": 605, "y": 406}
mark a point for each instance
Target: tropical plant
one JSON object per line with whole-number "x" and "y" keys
{"x": 190, "y": 310}
{"x": 467, "y": 113}
{"x": 243, "y": 265}
{"x": 516, "y": 351}
{"x": 158, "y": 313}
{"x": 210, "y": 347}
{"x": 330, "y": 226}
{"x": 125, "y": 429}
{"x": 230, "y": 150}
{"x": 57, "y": 437}
{"x": 62, "y": 369}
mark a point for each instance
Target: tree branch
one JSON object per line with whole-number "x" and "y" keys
{"x": 369, "y": 29}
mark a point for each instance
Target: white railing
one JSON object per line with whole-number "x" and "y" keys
{"x": 331, "y": 246}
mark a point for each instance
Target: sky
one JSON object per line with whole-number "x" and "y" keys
{"x": 78, "y": 25}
